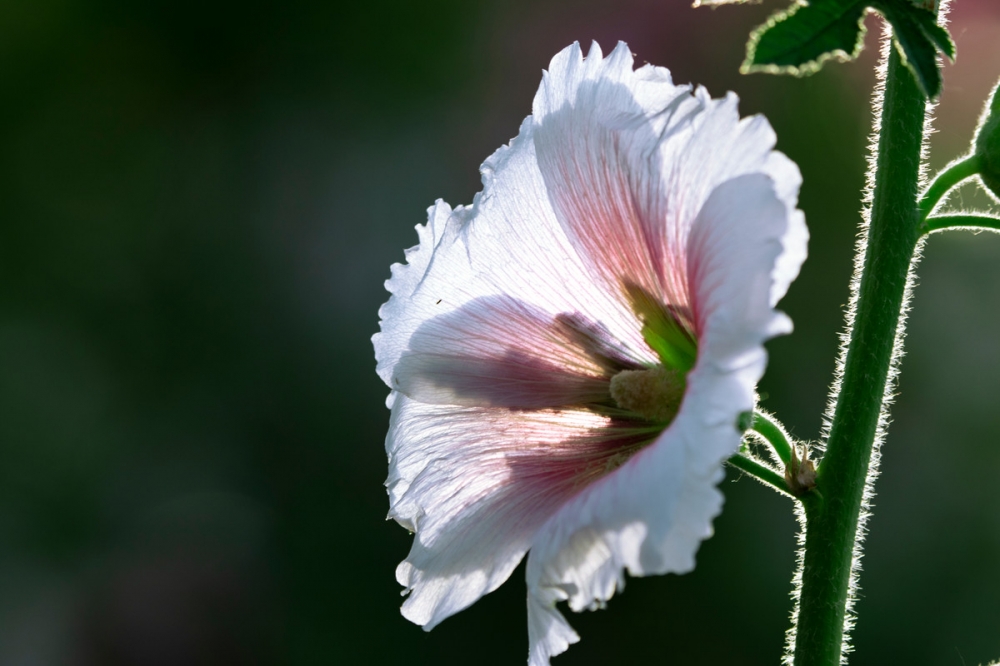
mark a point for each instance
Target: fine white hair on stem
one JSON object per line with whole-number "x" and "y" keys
{"x": 800, "y": 560}
{"x": 878, "y": 96}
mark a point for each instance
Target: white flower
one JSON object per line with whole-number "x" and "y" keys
{"x": 569, "y": 356}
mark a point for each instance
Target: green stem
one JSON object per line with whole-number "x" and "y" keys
{"x": 761, "y": 472}
{"x": 832, "y": 513}
{"x": 768, "y": 427}
{"x": 969, "y": 222}
{"x": 952, "y": 175}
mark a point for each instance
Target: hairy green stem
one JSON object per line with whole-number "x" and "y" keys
{"x": 774, "y": 434}
{"x": 761, "y": 472}
{"x": 970, "y": 222}
{"x": 832, "y": 512}
{"x": 952, "y": 175}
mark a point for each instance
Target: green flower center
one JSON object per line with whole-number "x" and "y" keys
{"x": 654, "y": 394}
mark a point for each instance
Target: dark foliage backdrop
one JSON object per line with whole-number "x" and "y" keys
{"x": 199, "y": 202}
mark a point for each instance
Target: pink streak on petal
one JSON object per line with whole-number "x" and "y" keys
{"x": 501, "y": 352}
{"x": 599, "y": 156}
{"x": 476, "y": 484}
{"x": 589, "y": 185}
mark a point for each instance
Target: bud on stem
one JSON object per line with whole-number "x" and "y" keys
{"x": 987, "y": 144}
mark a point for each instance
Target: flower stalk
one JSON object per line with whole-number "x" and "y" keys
{"x": 833, "y": 514}
{"x": 970, "y": 222}
{"x": 767, "y": 427}
{"x": 761, "y": 472}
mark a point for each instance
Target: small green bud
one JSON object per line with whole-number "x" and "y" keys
{"x": 800, "y": 472}
{"x": 988, "y": 145}
{"x": 744, "y": 421}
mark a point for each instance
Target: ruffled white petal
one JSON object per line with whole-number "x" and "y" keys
{"x": 649, "y": 516}
{"x": 719, "y": 205}
{"x": 508, "y": 245}
{"x": 446, "y": 489}
{"x": 500, "y": 352}
{"x": 598, "y": 125}
{"x": 786, "y": 179}
{"x": 476, "y": 484}
{"x": 733, "y": 250}
{"x": 513, "y": 313}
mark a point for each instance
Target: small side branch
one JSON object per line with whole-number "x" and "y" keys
{"x": 761, "y": 472}
{"x": 972, "y": 222}
{"x": 952, "y": 175}
{"x": 774, "y": 434}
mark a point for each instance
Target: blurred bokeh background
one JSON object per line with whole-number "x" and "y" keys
{"x": 199, "y": 202}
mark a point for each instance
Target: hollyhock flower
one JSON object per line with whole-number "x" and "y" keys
{"x": 569, "y": 356}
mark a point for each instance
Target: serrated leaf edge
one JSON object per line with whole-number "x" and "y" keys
{"x": 807, "y": 68}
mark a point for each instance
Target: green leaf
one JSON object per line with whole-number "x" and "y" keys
{"x": 798, "y": 40}
{"x": 937, "y": 34}
{"x": 918, "y": 38}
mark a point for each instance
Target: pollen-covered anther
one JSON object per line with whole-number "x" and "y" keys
{"x": 654, "y": 394}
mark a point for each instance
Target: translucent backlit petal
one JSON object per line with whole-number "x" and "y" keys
{"x": 597, "y": 128}
{"x": 734, "y": 246}
{"x": 475, "y": 485}
{"x": 648, "y": 517}
{"x": 632, "y": 222}
{"x": 508, "y": 245}
{"x": 500, "y": 352}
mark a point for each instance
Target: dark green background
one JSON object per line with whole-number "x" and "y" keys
{"x": 199, "y": 203}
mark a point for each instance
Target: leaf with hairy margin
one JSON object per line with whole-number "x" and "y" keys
{"x": 798, "y": 40}
{"x": 801, "y": 38}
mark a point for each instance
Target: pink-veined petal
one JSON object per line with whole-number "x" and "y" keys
{"x": 646, "y": 517}
{"x": 649, "y": 516}
{"x": 629, "y": 160}
{"x": 500, "y": 352}
{"x": 507, "y": 245}
{"x": 619, "y": 180}
{"x": 732, "y": 211}
{"x": 599, "y": 124}
{"x": 475, "y": 485}
{"x": 403, "y": 313}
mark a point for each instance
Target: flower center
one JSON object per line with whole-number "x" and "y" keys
{"x": 653, "y": 394}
